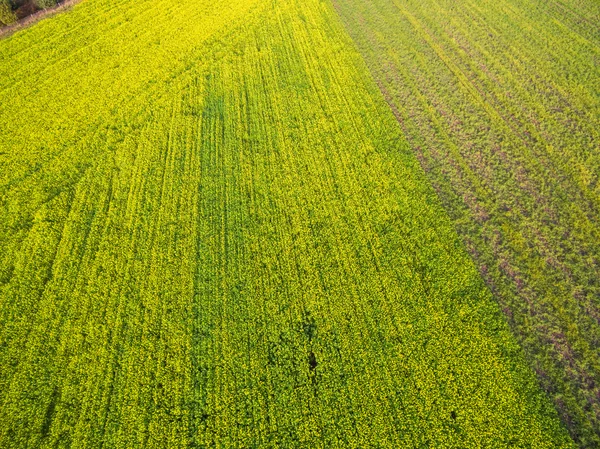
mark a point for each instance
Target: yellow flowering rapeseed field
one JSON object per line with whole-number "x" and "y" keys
{"x": 215, "y": 234}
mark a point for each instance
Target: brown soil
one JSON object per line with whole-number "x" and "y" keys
{"x": 28, "y": 16}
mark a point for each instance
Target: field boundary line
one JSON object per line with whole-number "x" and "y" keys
{"x": 36, "y": 17}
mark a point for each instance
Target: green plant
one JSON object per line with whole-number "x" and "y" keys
{"x": 500, "y": 105}
{"x": 214, "y": 234}
{"x": 45, "y": 4}
{"x": 7, "y": 16}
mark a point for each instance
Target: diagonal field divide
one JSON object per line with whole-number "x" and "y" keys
{"x": 499, "y": 101}
{"x": 214, "y": 234}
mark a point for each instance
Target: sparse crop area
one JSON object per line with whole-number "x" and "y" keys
{"x": 500, "y": 101}
{"x": 215, "y": 233}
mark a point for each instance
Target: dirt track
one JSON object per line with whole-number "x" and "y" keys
{"x": 29, "y": 20}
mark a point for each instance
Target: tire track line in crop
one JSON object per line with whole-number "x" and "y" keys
{"x": 288, "y": 316}
{"x": 394, "y": 70}
{"x": 132, "y": 96}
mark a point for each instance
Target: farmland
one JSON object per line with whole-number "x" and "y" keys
{"x": 214, "y": 233}
{"x": 500, "y": 102}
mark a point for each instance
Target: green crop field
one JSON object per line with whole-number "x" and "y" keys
{"x": 215, "y": 232}
{"x": 500, "y": 101}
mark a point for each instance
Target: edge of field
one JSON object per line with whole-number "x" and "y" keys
{"x": 63, "y": 6}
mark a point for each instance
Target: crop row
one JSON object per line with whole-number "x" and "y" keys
{"x": 216, "y": 236}
{"x": 498, "y": 100}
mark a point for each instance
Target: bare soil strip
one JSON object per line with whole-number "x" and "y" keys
{"x": 36, "y": 17}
